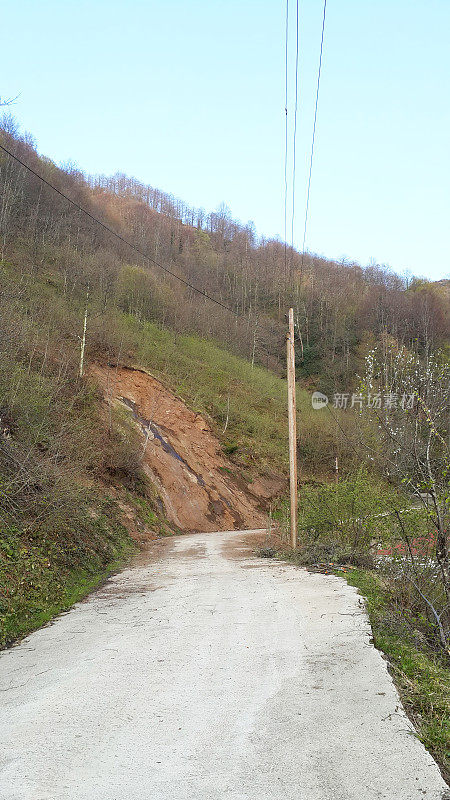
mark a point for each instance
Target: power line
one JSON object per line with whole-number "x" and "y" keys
{"x": 286, "y": 135}
{"x": 295, "y": 126}
{"x": 314, "y": 129}
{"x": 118, "y": 236}
{"x": 134, "y": 247}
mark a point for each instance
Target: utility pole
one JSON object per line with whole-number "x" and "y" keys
{"x": 83, "y": 338}
{"x": 292, "y": 427}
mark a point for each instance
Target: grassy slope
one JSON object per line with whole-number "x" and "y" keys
{"x": 38, "y": 580}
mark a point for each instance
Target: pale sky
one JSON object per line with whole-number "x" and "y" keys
{"x": 189, "y": 97}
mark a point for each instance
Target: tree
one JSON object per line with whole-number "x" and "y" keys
{"x": 7, "y": 101}
{"x": 409, "y": 401}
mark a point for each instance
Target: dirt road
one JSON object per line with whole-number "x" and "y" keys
{"x": 203, "y": 672}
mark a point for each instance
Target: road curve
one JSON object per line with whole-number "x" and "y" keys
{"x": 203, "y": 672}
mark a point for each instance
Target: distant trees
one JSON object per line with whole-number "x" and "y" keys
{"x": 340, "y": 307}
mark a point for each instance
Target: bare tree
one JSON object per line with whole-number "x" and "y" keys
{"x": 7, "y": 101}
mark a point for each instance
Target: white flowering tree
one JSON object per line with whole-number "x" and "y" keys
{"x": 408, "y": 399}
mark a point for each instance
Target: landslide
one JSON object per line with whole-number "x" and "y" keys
{"x": 198, "y": 486}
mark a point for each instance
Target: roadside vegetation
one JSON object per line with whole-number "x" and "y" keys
{"x": 59, "y": 532}
{"x": 46, "y": 570}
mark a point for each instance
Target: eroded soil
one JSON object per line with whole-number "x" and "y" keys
{"x": 197, "y": 484}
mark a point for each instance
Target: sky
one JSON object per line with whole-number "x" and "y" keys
{"x": 189, "y": 97}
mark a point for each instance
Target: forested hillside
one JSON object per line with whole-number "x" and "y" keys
{"x": 341, "y": 308}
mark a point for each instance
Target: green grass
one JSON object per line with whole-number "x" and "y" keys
{"x": 78, "y": 585}
{"x": 39, "y": 578}
{"x": 149, "y": 515}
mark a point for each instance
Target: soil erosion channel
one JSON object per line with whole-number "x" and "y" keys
{"x": 199, "y": 487}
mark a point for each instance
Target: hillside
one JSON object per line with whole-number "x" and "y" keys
{"x": 81, "y": 481}
{"x": 340, "y": 308}
{"x": 74, "y": 480}
{"x": 77, "y": 485}
{"x": 76, "y": 299}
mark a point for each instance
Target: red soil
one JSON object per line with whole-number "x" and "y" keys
{"x": 197, "y": 484}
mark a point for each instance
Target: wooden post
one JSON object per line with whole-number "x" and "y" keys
{"x": 292, "y": 427}
{"x": 83, "y": 338}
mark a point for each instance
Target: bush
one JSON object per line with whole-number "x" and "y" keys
{"x": 342, "y": 520}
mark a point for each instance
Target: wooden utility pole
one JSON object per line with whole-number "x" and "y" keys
{"x": 292, "y": 427}
{"x": 83, "y": 338}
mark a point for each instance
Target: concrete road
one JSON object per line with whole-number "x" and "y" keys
{"x": 207, "y": 673}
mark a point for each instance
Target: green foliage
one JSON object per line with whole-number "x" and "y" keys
{"x": 339, "y": 522}
{"x": 309, "y": 363}
{"x": 58, "y": 533}
{"x": 137, "y": 292}
{"x": 148, "y": 512}
{"x": 47, "y": 570}
{"x": 121, "y": 449}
